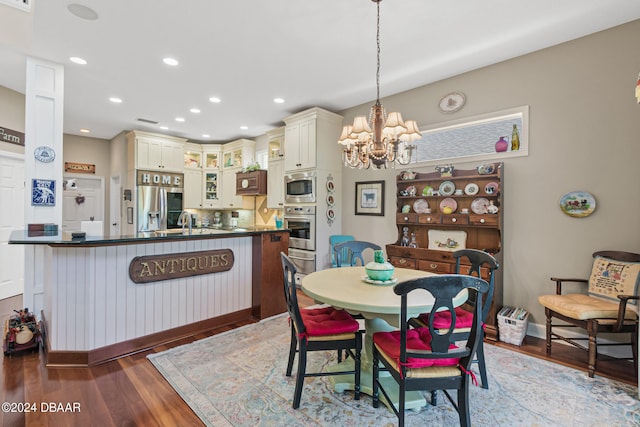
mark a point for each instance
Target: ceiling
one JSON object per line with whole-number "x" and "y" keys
{"x": 248, "y": 52}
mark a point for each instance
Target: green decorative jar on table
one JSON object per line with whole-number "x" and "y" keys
{"x": 379, "y": 269}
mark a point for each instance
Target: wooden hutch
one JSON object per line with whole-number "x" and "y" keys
{"x": 443, "y": 211}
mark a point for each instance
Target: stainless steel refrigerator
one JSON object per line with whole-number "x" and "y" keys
{"x": 158, "y": 207}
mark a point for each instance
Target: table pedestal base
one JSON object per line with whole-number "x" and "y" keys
{"x": 414, "y": 399}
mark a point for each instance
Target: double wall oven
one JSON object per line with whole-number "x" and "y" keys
{"x": 301, "y": 221}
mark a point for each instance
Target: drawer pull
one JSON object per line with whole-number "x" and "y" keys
{"x": 482, "y": 221}
{"x": 429, "y": 219}
{"x": 434, "y": 266}
{"x": 454, "y": 219}
{"x": 402, "y": 261}
{"x": 406, "y": 218}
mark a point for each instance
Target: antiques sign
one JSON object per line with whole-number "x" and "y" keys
{"x": 79, "y": 167}
{"x": 12, "y": 136}
{"x": 154, "y": 268}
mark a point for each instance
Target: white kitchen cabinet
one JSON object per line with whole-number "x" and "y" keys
{"x": 212, "y": 190}
{"x": 275, "y": 184}
{"x": 192, "y": 156}
{"x": 310, "y": 139}
{"x": 238, "y": 154}
{"x": 156, "y": 152}
{"x": 229, "y": 198}
{"x": 192, "y": 193}
{"x": 211, "y": 155}
{"x": 275, "y": 177}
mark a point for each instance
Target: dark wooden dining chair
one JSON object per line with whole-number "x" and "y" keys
{"x": 348, "y": 253}
{"x": 483, "y": 265}
{"x": 612, "y": 286}
{"x": 427, "y": 358}
{"x": 318, "y": 329}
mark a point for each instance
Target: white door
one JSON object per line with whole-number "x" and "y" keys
{"x": 12, "y": 195}
{"x": 115, "y": 206}
{"x": 83, "y": 201}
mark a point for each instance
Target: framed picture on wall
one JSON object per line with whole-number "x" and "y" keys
{"x": 370, "y": 198}
{"x": 43, "y": 192}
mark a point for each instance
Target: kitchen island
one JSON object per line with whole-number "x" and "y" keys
{"x": 103, "y": 297}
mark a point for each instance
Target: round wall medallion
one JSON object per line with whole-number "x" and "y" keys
{"x": 452, "y": 102}
{"x": 44, "y": 154}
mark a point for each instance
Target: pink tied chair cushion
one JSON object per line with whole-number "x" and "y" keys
{"x": 328, "y": 321}
{"x": 442, "y": 319}
{"x": 417, "y": 339}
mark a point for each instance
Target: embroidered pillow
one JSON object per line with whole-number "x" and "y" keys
{"x": 610, "y": 278}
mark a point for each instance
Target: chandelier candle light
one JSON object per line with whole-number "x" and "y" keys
{"x": 382, "y": 139}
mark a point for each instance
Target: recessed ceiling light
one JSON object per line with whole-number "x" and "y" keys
{"x": 115, "y": 100}
{"x": 206, "y": 135}
{"x": 85, "y": 131}
{"x": 82, "y": 11}
{"x": 179, "y": 119}
{"x": 170, "y": 61}
{"x": 164, "y": 128}
{"x": 195, "y": 110}
{"x": 214, "y": 99}
{"x": 278, "y": 100}
{"x": 244, "y": 127}
{"x": 78, "y": 60}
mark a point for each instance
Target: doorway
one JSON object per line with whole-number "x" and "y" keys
{"x": 12, "y": 194}
{"x": 83, "y": 201}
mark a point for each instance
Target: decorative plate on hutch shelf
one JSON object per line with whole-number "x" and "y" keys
{"x": 479, "y": 206}
{"x": 447, "y": 188}
{"x": 420, "y": 206}
{"x": 471, "y": 189}
{"x": 448, "y": 204}
{"x": 492, "y": 188}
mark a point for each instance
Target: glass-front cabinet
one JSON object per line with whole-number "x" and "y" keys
{"x": 212, "y": 190}
{"x": 192, "y": 156}
{"x": 212, "y": 160}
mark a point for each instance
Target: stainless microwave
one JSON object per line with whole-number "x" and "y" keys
{"x": 300, "y": 187}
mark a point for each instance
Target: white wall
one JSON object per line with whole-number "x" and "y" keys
{"x": 584, "y": 135}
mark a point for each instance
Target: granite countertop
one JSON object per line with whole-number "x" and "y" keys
{"x": 65, "y": 238}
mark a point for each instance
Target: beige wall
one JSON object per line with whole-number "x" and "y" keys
{"x": 584, "y": 135}
{"x": 11, "y": 116}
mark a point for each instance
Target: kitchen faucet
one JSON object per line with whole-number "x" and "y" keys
{"x": 184, "y": 215}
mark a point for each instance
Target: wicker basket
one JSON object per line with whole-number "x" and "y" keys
{"x": 512, "y": 325}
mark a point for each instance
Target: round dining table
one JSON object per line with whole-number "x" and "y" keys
{"x": 348, "y": 288}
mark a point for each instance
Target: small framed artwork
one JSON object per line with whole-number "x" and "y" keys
{"x": 43, "y": 192}
{"x": 370, "y": 198}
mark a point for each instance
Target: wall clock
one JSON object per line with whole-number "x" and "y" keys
{"x": 452, "y": 102}
{"x": 44, "y": 154}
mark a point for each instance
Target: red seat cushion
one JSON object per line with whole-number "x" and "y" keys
{"x": 328, "y": 321}
{"x": 417, "y": 339}
{"x": 442, "y": 319}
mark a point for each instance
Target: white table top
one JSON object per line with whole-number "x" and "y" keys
{"x": 344, "y": 288}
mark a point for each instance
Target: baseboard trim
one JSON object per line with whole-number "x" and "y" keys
{"x": 540, "y": 331}
{"x": 115, "y": 351}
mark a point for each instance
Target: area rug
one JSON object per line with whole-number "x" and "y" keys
{"x": 237, "y": 379}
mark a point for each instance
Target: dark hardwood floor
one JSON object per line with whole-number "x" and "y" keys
{"x": 131, "y": 392}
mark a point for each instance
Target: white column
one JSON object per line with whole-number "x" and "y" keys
{"x": 44, "y": 105}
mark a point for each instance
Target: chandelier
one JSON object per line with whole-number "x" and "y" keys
{"x": 382, "y": 139}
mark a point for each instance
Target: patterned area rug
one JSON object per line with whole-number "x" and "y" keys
{"x": 237, "y": 379}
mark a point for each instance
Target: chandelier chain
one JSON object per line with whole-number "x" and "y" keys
{"x": 378, "y": 54}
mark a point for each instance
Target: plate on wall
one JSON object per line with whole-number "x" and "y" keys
{"x": 578, "y": 204}
{"x": 480, "y": 206}
{"x": 447, "y": 188}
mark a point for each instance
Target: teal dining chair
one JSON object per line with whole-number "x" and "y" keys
{"x": 333, "y": 241}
